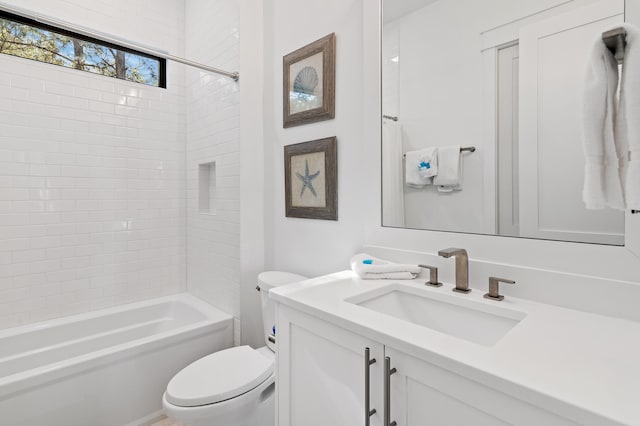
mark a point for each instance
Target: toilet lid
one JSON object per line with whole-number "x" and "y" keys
{"x": 219, "y": 376}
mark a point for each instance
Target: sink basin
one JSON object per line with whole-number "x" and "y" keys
{"x": 466, "y": 319}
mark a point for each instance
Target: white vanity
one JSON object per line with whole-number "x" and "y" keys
{"x": 443, "y": 358}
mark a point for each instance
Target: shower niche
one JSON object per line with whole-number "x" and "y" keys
{"x": 207, "y": 188}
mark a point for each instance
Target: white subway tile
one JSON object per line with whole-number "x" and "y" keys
{"x": 47, "y": 170}
{"x": 14, "y": 194}
{"x": 44, "y": 218}
{"x": 28, "y": 206}
{"x": 58, "y": 88}
{"x": 13, "y": 295}
{"x": 103, "y": 107}
{"x": 28, "y": 256}
{"x": 73, "y": 102}
{"x": 43, "y": 314}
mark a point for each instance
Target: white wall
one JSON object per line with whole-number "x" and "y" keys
{"x": 314, "y": 247}
{"x": 91, "y": 173}
{"x": 213, "y": 239}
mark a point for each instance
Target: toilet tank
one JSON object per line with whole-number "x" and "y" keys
{"x": 267, "y": 281}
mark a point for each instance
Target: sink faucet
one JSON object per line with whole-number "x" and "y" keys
{"x": 462, "y": 267}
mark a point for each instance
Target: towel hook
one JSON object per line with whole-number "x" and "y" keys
{"x": 616, "y": 41}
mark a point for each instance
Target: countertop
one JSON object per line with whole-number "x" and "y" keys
{"x": 582, "y": 366}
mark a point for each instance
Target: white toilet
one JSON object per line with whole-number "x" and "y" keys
{"x": 235, "y": 386}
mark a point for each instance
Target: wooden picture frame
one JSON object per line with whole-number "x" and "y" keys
{"x": 311, "y": 179}
{"x": 309, "y": 83}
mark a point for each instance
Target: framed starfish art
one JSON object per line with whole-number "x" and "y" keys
{"x": 311, "y": 179}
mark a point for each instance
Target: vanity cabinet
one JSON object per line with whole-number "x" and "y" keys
{"x": 322, "y": 372}
{"x": 424, "y": 394}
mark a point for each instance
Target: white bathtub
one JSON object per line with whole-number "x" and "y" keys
{"x": 104, "y": 368}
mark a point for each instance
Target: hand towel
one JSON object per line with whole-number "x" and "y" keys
{"x": 449, "y": 169}
{"x": 421, "y": 166}
{"x": 371, "y": 268}
{"x": 602, "y": 137}
{"x": 428, "y": 165}
{"x": 628, "y": 124}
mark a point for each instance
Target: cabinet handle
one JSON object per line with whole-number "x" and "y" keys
{"x": 388, "y": 371}
{"x": 368, "y": 412}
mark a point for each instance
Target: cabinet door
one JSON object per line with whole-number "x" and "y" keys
{"x": 321, "y": 373}
{"x": 423, "y": 394}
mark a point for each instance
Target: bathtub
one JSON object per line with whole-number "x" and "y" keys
{"x": 104, "y": 368}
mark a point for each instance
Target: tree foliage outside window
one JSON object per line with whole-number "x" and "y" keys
{"x": 59, "y": 48}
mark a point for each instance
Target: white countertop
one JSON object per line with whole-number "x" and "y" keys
{"x": 580, "y": 365}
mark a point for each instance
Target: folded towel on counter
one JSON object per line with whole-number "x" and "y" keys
{"x": 371, "y": 268}
{"x": 421, "y": 166}
{"x": 449, "y": 169}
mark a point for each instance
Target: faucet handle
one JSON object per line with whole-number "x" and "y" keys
{"x": 494, "y": 289}
{"x": 433, "y": 276}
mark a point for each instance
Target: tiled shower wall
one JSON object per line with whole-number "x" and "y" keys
{"x": 213, "y": 236}
{"x": 91, "y": 172}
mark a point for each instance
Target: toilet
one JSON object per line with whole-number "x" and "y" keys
{"x": 235, "y": 386}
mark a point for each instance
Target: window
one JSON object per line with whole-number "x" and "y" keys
{"x": 29, "y": 39}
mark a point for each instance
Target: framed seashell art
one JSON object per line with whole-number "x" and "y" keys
{"x": 311, "y": 179}
{"x": 309, "y": 83}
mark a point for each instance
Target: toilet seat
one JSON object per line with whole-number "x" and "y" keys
{"x": 218, "y": 377}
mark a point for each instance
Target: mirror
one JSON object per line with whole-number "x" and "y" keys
{"x": 502, "y": 80}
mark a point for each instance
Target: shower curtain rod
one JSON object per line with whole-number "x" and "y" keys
{"x": 110, "y": 39}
